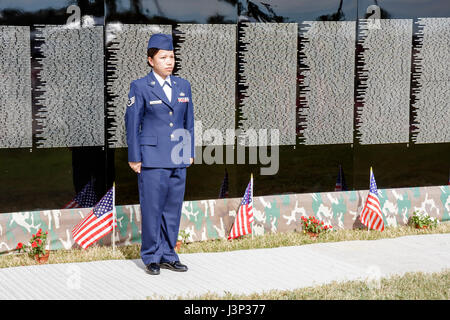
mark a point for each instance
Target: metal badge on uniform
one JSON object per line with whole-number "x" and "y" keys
{"x": 185, "y": 99}
{"x": 130, "y": 101}
{"x": 182, "y": 94}
{"x": 152, "y": 83}
{"x": 156, "y": 102}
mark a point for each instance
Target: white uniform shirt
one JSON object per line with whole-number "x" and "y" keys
{"x": 166, "y": 88}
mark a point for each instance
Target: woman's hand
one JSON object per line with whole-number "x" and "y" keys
{"x": 192, "y": 160}
{"x": 136, "y": 166}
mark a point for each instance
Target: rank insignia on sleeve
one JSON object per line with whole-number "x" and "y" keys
{"x": 130, "y": 101}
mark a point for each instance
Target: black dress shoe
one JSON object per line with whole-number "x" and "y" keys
{"x": 174, "y": 266}
{"x": 153, "y": 268}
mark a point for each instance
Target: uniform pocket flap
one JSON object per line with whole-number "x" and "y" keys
{"x": 149, "y": 140}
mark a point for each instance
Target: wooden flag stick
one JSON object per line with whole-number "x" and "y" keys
{"x": 253, "y": 209}
{"x": 114, "y": 218}
{"x": 370, "y": 175}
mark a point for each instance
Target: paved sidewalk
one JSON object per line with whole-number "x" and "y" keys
{"x": 244, "y": 271}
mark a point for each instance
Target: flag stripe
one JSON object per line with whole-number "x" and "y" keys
{"x": 99, "y": 233}
{"x": 71, "y": 204}
{"x": 89, "y": 230}
{"x": 372, "y": 218}
{"x": 245, "y": 221}
{"x": 371, "y": 215}
{"x": 372, "y": 221}
{"x": 372, "y": 201}
{"x": 244, "y": 217}
{"x": 98, "y": 223}
{"x": 89, "y": 233}
{"x": 89, "y": 217}
{"x": 373, "y": 208}
{"x": 250, "y": 214}
{"x": 378, "y": 224}
{"x": 368, "y": 216}
{"x": 84, "y": 222}
{"x": 241, "y": 217}
{"x": 375, "y": 222}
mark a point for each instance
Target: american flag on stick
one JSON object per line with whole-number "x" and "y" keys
{"x": 371, "y": 215}
{"x": 98, "y": 223}
{"x": 244, "y": 217}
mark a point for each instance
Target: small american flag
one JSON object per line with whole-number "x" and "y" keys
{"x": 340, "y": 181}
{"x": 86, "y": 198}
{"x": 244, "y": 218}
{"x": 98, "y": 223}
{"x": 224, "y": 187}
{"x": 371, "y": 215}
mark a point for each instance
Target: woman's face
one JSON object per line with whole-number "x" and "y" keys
{"x": 163, "y": 63}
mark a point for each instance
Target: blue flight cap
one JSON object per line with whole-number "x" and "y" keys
{"x": 160, "y": 41}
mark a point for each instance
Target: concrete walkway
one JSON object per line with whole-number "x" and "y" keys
{"x": 244, "y": 271}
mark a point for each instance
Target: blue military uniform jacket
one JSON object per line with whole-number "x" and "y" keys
{"x": 160, "y": 134}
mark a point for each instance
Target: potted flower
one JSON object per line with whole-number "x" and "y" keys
{"x": 36, "y": 247}
{"x": 421, "y": 220}
{"x": 314, "y": 227}
{"x": 182, "y": 238}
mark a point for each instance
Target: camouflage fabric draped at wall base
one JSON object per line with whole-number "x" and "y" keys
{"x": 212, "y": 219}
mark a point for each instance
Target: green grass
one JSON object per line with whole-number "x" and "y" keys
{"x": 410, "y": 286}
{"x": 95, "y": 253}
{"x": 298, "y": 238}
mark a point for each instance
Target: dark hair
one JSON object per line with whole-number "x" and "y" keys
{"x": 151, "y": 52}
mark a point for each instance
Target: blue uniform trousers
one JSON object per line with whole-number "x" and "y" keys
{"x": 161, "y": 194}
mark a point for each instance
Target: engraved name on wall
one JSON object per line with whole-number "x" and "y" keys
{"x": 385, "y": 81}
{"x": 210, "y": 47}
{"x": 71, "y": 92}
{"x": 432, "y": 103}
{"x": 269, "y": 71}
{"x": 15, "y": 87}
{"x": 127, "y": 47}
{"x": 327, "y": 89}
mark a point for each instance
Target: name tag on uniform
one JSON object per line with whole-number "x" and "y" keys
{"x": 155, "y": 102}
{"x": 185, "y": 99}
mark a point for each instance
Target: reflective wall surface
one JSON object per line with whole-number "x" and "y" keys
{"x": 302, "y": 87}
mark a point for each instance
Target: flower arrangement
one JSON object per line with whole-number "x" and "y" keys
{"x": 183, "y": 236}
{"x": 422, "y": 220}
{"x": 313, "y": 225}
{"x": 37, "y": 244}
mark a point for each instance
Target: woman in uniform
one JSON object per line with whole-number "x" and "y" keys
{"x": 159, "y": 122}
